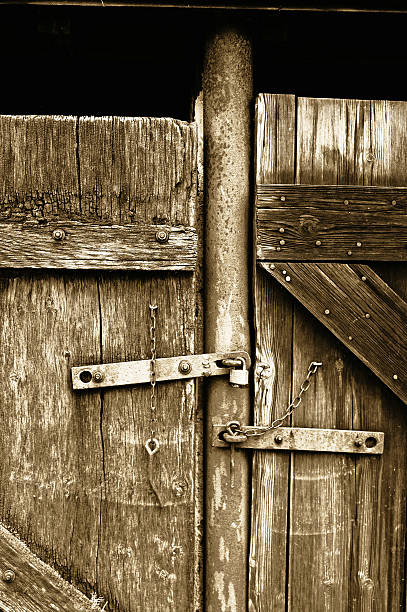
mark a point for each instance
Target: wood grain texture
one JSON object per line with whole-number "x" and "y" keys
{"x": 73, "y": 477}
{"x": 359, "y": 308}
{"x": 362, "y": 501}
{"x": 299, "y": 222}
{"x": 275, "y": 121}
{"x": 102, "y": 247}
{"x": 36, "y": 586}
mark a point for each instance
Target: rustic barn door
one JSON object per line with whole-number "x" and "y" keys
{"x": 98, "y": 221}
{"x": 328, "y": 529}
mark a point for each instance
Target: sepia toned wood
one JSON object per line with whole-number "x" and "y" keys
{"x": 73, "y": 469}
{"x": 299, "y": 222}
{"x": 362, "y": 503}
{"x": 34, "y": 585}
{"x": 91, "y": 246}
{"x": 275, "y": 134}
{"x": 358, "y": 308}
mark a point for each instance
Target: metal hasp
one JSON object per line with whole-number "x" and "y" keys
{"x": 301, "y": 439}
{"x": 167, "y": 368}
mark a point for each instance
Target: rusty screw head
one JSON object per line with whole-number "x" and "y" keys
{"x": 58, "y": 234}
{"x": 8, "y": 575}
{"x": 162, "y": 236}
{"x": 278, "y": 439}
{"x": 97, "y": 377}
{"x": 184, "y": 367}
{"x": 358, "y": 443}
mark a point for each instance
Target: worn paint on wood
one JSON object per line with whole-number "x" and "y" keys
{"x": 101, "y": 247}
{"x": 299, "y": 222}
{"x": 73, "y": 470}
{"x": 356, "y": 305}
{"x": 34, "y": 585}
{"x": 347, "y": 516}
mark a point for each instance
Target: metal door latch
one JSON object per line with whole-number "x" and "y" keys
{"x": 297, "y": 439}
{"x": 234, "y": 363}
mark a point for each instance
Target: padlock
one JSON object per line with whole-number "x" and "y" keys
{"x": 239, "y": 377}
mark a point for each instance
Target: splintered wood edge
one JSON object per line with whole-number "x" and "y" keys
{"x": 29, "y": 564}
{"x": 390, "y": 379}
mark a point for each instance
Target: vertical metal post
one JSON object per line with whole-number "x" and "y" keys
{"x": 228, "y": 91}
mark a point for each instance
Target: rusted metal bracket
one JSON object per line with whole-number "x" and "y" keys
{"x": 301, "y": 439}
{"x": 234, "y": 363}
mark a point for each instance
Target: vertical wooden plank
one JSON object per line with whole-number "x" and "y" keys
{"x": 51, "y": 456}
{"x": 145, "y": 553}
{"x": 275, "y": 137}
{"x": 346, "y": 142}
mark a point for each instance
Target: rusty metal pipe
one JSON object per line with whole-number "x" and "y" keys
{"x": 228, "y": 91}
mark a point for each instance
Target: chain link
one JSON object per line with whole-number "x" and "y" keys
{"x": 259, "y": 431}
{"x": 153, "y": 375}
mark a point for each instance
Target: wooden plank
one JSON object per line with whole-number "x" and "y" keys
{"x": 73, "y": 470}
{"x": 33, "y": 585}
{"x": 146, "y": 554}
{"x": 362, "y": 503}
{"x": 275, "y": 133}
{"x": 101, "y": 247}
{"x": 300, "y": 222}
{"x": 359, "y": 308}
{"x": 308, "y": 439}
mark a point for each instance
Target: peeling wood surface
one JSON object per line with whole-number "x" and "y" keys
{"x": 299, "y": 222}
{"x": 36, "y": 586}
{"x": 346, "y": 523}
{"x": 73, "y": 470}
{"x": 359, "y": 308}
{"x": 101, "y": 247}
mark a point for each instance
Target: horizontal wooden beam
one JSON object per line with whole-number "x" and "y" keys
{"x": 307, "y": 439}
{"x": 77, "y": 245}
{"x": 28, "y": 585}
{"x": 331, "y": 223}
{"x": 359, "y": 308}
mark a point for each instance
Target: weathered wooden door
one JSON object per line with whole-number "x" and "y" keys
{"x": 82, "y": 200}
{"x": 328, "y": 529}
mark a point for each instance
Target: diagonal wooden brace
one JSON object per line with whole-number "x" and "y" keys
{"x": 359, "y": 308}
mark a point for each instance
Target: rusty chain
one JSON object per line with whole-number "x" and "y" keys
{"x": 234, "y": 428}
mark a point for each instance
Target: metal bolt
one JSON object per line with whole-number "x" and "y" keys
{"x": 358, "y": 443}
{"x": 284, "y": 272}
{"x": 367, "y": 315}
{"x": 278, "y": 439}
{"x": 58, "y": 234}
{"x": 281, "y": 230}
{"x": 272, "y": 266}
{"x": 9, "y": 575}
{"x": 206, "y": 363}
{"x": 346, "y": 202}
{"x": 288, "y": 278}
{"x": 349, "y": 252}
{"x": 97, "y": 377}
{"x": 278, "y": 249}
{"x": 350, "y": 338}
{"x": 184, "y": 367}
{"x": 282, "y": 198}
{"x": 318, "y": 243}
{"x": 395, "y": 376}
{"x": 282, "y": 242}
{"x": 394, "y": 202}
{"x": 162, "y": 236}
{"x": 358, "y": 244}
{"x": 364, "y": 278}
{"x": 327, "y": 311}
